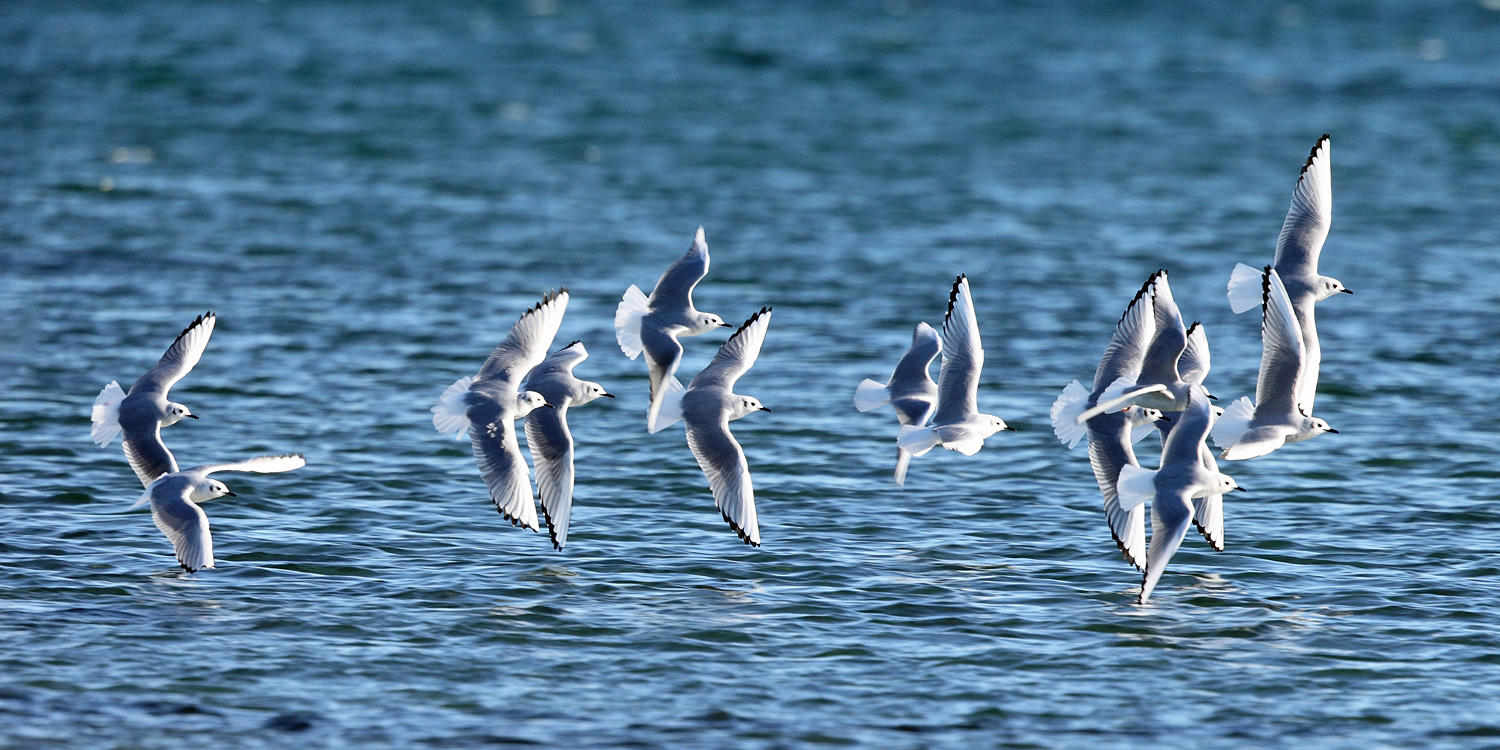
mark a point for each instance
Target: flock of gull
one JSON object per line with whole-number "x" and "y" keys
{"x": 1150, "y": 379}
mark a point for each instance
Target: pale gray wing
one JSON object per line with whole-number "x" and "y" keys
{"x": 663, "y": 355}
{"x": 1208, "y": 511}
{"x": 259, "y": 465}
{"x": 1282, "y": 354}
{"x": 674, "y": 290}
{"x": 723, "y": 462}
{"x": 1311, "y": 214}
{"x": 912, "y": 410}
{"x": 1127, "y": 347}
{"x": 1109, "y": 450}
{"x": 144, "y": 449}
{"x": 551, "y": 445}
{"x": 1194, "y": 362}
{"x": 493, "y": 437}
{"x": 1171, "y": 515}
{"x": 1312, "y": 352}
{"x": 560, "y": 362}
{"x": 185, "y": 525}
{"x": 526, "y": 345}
{"x": 180, "y": 357}
{"x": 1183, "y": 443}
{"x": 911, "y": 373}
{"x": 1168, "y": 340}
{"x": 963, "y": 358}
{"x": 737, "y": 354}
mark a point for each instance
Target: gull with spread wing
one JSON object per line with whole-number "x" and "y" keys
{"x": 486, "y": 405}
{"x": 707, "y": 407}
{"x": 142, "y": 413}
{"x": 653, "y": 324}
{"x": 910, "y": 390}
{"x": 174, "y": 502}
{"x": 548, "y": 436}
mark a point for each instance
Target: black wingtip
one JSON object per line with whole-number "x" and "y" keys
{"x": 953, "y": 295}
{"x": 764, "y": 310}
{"x": 1313, "y": 154}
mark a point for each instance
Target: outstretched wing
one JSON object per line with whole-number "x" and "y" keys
{"x": 180, "y": 357}
{"x": 963, "y": 357}
{"x": 551, "y": 445}
{"x": 1168, "y": 340}
{"x": 1310, "y": 215}
{"x": 144, "y": 449}
{"x": 1127, "y": 347}
{"x": 1282, "y": 352}
{"x": 186, "y": 526}
{"x": 723, "y": 462}
{"x": 527, "y": 343}
{"x": 1109, "y": 450}
{"x": 737, "y": 354}
{"x": 675, "y": 287}
{"x": 503, "y": 468}
{"x": 1194, "y": 362}
{"x": 259, "y": 465}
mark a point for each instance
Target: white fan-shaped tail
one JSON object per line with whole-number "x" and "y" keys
{"x": 917, "y": 440}
{"x": 1135, "y": 486}
{"x": 106, "y": 414}
{"x": 450, "y": 414}
{"x": 1234, "y": 423}
{"x": 1244, "y": 288}
{"x": 667, "y": 409}
{"x": 633, "y": 305}
{"x": 1065, "y": 410}
{"x": 870, "y": 395}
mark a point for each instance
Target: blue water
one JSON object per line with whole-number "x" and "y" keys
{"x": 369, "y": 194}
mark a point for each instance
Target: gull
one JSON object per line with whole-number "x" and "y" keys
{"x": 1187, "y": 472}
{"x": 485, "y": 406}
{"x": 1162, "y": 381}
{"x": 548, "y": 437}
{"x": 1297, "y": 249}
{"x": 910, "y": 390}
{"x": 957, "y": 424}
{"x": 174, "y": 502}
{"x": 1278, "y": 415}
{"x": 1111, "y": 434}
{"x": 142, "y": 413}
{"x": 653, "y": 324}
{"x": 706, "y": 408}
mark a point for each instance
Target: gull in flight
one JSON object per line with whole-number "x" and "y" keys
{"x": 174, "y": 502}
{"x": 142, "y": 413}
{"x": 707, "y": 407}
{"x": 1296, "y": 262}
{"x": 548, "y": 437}
{"x": 910, "y": 390}
{"x": 653, "y": 324}
{"x": 957, "y": 424}
{"x": 486, "y": 405}
{"x": 1187, "y": 472}
{"x": 1278, "y": 415}
{"x": 1112, "y": 434}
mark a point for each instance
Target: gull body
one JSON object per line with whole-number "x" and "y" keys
{"x": 174, "y": 502}
{"x": 548, "y": 436}
{"x": 1187, "y": 473}
{"x": 910, "y": 391}
{"x": 140, "y": 414}
{"x": 957, "y": 423}
{"x": 1278, "y": 415}
{"x": 485, "y": 407}
{"x": 1298, "y": 248}
{"x": 654, "y": 324}
{"x": 706, "y": 408}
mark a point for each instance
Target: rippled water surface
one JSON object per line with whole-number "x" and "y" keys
{"x": 370, "y": 193}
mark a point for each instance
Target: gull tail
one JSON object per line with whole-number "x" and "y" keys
{"x": 666, "y": 410}
{"x": 917, "y": 440}
{"x": 1234, "y": 424}
{"x": 1065, "y": 410}
{"x": 903, "y": 460}
{"x": 633, "y": 306}
{"x": 106, "y": 414}
{"x": 870, "y": 395}
{"x": 1135, "y": 486}
{"x": 1244, "y": 288}
{"x": 450, "y": 415}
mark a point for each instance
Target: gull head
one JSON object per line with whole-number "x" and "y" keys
{"x": 1226, "y": 483}
{"x": 1317, "y": 426}
{"x": 176, "y": 413}
{"x": 704, "y": 322}
{"x": 993, "y": 424}
{"x": 1139, "y": 415}
{"x": 744, "y": 405}
{"x": 1329, "y": 286}
{"x": 526, "y": 401}
{"x": 207, "y": 489}
{"x": 592, "y": 391}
